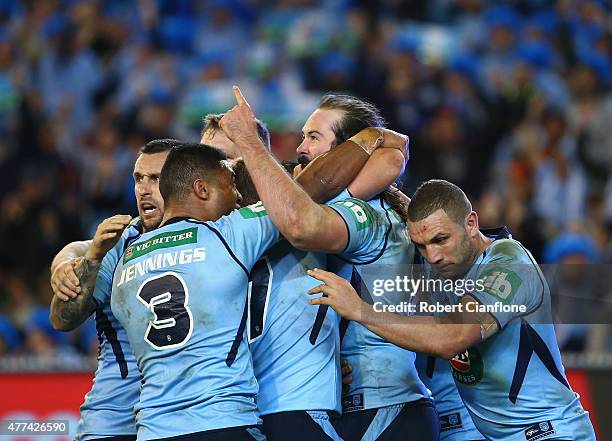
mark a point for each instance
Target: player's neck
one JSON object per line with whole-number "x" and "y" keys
{"x": 189, "y": 210}
{"x": 482, "y": 243}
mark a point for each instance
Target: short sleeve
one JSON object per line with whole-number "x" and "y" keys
{"x": 249, "y": 232}
{"x": 104, "y": 281}
{"x": 512, "y": 288}
{"x": 344, "y": 194}
{"x": 368, "y": 230}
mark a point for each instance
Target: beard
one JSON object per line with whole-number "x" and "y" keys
{"x": 151, "y": 224}
{"x": 466, "y": 256}
{"x": 303, "y": 160}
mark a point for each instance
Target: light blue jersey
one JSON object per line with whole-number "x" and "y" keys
{"x": 383, "y": 373}
{"x": 108, "y": 409}
{"x": 181, "y": 293}
{"x": 455, "y": 421}
{"x": 295, "y": 346}
{"x": 513, "y": 383}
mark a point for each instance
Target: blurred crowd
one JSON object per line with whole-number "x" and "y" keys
{"x": 508, "y": 99}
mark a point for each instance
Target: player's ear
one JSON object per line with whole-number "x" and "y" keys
{"x": 200, "y": 188}
{"x": 471, "y": 222}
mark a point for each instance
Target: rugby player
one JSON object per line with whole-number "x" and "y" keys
{"x": 506, "y": 364}
{"x": 389, "y": 405}
{"x": 350, "y": 154}
{"x": 323, "y": 130}
{"x": 187, "y": 322}
{"x": 103, "y": 414}
{"x": 108, "y": 409}
{"x": 295, "y": 347}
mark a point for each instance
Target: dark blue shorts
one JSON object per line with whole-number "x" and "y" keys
{"x": 240, "y": 433}
{"x": 299, "y": 425}
{"x": 414, "y": 421}
{"x": 117, "y": 438}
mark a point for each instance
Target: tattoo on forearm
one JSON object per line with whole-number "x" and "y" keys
{"x": 76, "y": 310}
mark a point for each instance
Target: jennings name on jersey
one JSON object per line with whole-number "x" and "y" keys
{"x": 181, "y": 294}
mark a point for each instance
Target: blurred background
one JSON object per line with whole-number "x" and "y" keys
{"x": 508, "y": 99}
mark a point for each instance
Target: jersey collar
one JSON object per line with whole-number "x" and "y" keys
{"x": 174, "y": 220}
{"x": 497, "y": 233}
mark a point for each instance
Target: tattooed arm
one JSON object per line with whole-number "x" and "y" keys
{"x": 68, "y": 315}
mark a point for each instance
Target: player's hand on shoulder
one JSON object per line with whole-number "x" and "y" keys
{"x": 64, "y": 282}
{"x": 107, "y": 234}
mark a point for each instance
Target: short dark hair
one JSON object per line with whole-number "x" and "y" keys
{"x": 187, "y": 162}
{"x": 245, "y": 185}
{"x": 158, "y": 146}
{"x": 439, "y": 194}
{"x": 211, "y": 122}
{"x": 358, "y": 114}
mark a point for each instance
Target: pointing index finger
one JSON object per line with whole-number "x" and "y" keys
{"x": 240, "y": 99}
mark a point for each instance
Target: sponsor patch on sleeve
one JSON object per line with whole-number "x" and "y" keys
{"x": 501, "y": 282}
{"x": 360, "y": 210}
{"x": 253, "y": 211}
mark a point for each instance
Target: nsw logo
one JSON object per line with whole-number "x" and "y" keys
{"x": 450, "y": 421}
{"x": 539, "y": 430}
{"x": 352, "y": 403}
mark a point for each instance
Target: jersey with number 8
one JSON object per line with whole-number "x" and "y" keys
{"x": 383, "y": 374}
{"x": 181, "y": 294}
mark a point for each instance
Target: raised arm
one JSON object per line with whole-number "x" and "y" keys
{"x": 367, "y": 164}
{"x": 306, "y": 224}
{"x": 67, "y": 315}
{"x": 384, "y": 166}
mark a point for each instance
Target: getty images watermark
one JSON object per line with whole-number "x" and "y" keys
{"x": 434, "y": 294}
{"x": 574, "y": 293}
